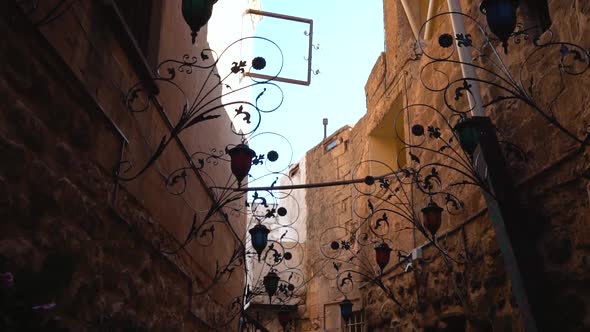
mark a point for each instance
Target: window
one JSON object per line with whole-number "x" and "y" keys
{"x": 332, "y": 144}
{"x": 356, "y": 322}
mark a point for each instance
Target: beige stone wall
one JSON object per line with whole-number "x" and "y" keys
{"x": 550, "y": 188}
{"x": 63, "y": 89}
{"x": 480, "y": 289}
{"x": 326, "y": 207}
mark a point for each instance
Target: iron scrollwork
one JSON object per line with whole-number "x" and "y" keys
{"x": 492, "y": 70}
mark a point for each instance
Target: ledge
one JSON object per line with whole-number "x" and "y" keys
{"x": 129, "y": 45}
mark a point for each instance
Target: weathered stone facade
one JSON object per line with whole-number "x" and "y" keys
{"x": 72, "y": 236}
{"x": 551, "y": 189}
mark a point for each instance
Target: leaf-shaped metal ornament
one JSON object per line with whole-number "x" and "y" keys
{"x": 381, "y": 220}
{"x": 434, "y": 132}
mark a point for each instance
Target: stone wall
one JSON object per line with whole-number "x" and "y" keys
{"x": 480, "y": 291}
{"x": 471, "y": 289}
{"x": 71, "y": 235}
{"x": 326, "y": 207}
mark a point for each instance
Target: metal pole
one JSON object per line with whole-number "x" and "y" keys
{"x": 464, "y": 53}
{"x": 411, "y": 17}
{"x": 300, "y": 186}
{"x": 431, "y": 11}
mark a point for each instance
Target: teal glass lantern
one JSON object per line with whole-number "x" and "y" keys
{"x": 468, "y": 134}
{"x": 197, "y": 13}
{"x": 271, "y": 283}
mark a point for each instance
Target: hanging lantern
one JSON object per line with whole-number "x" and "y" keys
{"x": 259, "y": 235}
{"x": 271, "y": 283}
{"x": 284, "y": 318}
{"x": 197, "y": 13}
{"x": 501, "y": 17}
{"x": 382, "y": 255}
{"x": 432, "y": 214}
{"x": 346, "y": 309}
{"x": 468, "y": 134}
{"x": 241, "y": 161}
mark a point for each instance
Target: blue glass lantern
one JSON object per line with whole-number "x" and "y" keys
{"x": 501, "y": 17}
{"x": 346, "y": 309}
{"x": 259, "y": 235}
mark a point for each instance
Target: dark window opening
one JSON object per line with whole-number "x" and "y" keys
{"x": 332, "y": 144}
{"x": 356, "y": 322}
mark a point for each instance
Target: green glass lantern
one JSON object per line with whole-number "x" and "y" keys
{"x": 197, "y": 13}
{"x": 468, "y": 134}
{"x": 271, "y": 284}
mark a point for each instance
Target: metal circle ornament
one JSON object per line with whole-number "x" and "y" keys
{"x": 258, "y": 63}
{"x": 445, "y": 40}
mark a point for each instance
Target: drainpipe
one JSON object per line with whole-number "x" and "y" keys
{"x": 413, "y": 24}
{"x": 498, "y": 211}
{"x": 431, "y": 10}
{"x": 464, "y": 53}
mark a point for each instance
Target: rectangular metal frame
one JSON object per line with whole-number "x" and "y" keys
{"x": 309, "y": 51}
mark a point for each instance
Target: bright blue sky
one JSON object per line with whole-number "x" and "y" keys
{"x": 350, "y": 38}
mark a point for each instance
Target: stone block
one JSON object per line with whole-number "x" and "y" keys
{"x": 13, "y": 158}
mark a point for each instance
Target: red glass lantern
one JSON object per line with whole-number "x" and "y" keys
{"x": 241, "y": 161}
{"x": 432, "y": 215}
{"x": 382, "y": 255}
{"x": 284, "y": 318}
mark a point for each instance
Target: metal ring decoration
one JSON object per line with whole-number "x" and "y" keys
{"x": 177, "y": 180}
{"x": 280, "y": 143}
{"x": 206, "y": 102}
{"x": 569, "y": 60}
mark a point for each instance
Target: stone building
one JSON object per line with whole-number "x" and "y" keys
{"x": 463, "y": 281}
{"x": 81, "y": 248}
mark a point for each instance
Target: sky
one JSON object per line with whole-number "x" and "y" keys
{"x": 350, "y": 39}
